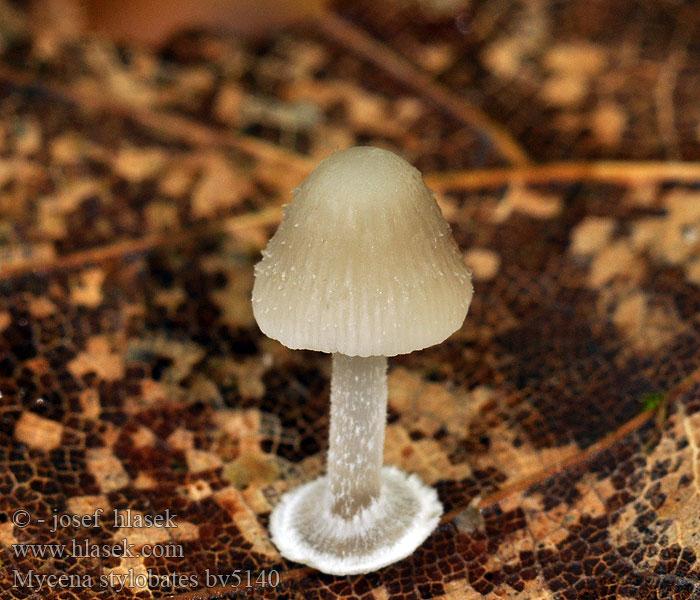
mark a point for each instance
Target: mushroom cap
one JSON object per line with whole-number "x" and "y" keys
{"x": 363, "y": 262}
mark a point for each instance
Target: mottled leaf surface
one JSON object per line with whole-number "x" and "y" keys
{"x": 560, "y": 425}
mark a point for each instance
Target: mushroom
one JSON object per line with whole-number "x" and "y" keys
{"x": 363, "y": 266}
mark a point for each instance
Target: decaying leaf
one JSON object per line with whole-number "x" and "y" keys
{"x": 560, "y": 425}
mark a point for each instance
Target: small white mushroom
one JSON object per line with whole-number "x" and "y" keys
{"x": 363, "y": 266}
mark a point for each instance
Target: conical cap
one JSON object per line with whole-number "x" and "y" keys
{"x": 363, "y": 262}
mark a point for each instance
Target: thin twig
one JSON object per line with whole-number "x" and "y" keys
{"x": 197, "y": 134}
{"x": 338, "y": 30}
{"x": 540, "y": 476}
{"x": 172, "y": 126}
{"x": 92, "y": 256}
{"x": 619, "y": 172}
{"x": 631, "y": 426}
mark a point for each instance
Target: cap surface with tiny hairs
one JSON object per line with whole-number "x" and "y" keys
{"x": 363, "y": 262}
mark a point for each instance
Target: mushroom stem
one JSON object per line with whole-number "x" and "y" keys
{"x": 358, "y": 421}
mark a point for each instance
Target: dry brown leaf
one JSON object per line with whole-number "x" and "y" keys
{"x": 560, "y": 425}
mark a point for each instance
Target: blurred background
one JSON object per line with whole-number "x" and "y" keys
{"x": 146, "y": 148}
{"x": 153, "y": 21}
